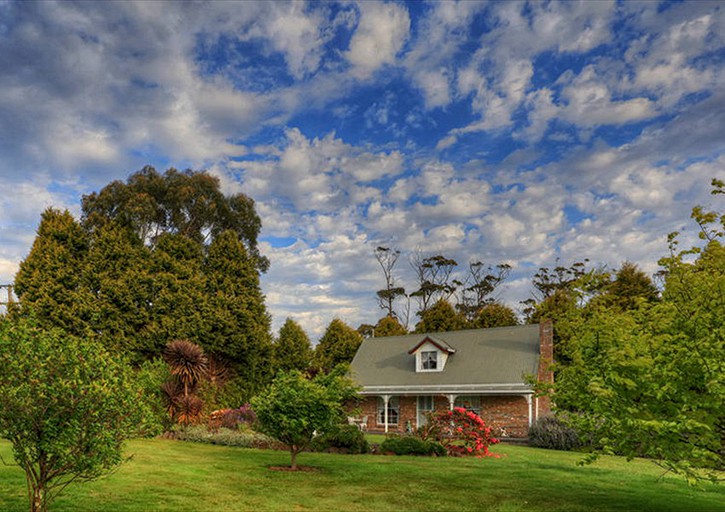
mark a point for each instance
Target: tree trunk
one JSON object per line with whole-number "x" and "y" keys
{"x": 37, "y": 503}
{"x": 294, "y": 451}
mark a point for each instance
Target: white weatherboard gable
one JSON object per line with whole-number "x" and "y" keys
{"x": 441, "y": 357}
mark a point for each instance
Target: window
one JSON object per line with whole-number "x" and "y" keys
{"x": 429, "y": 360}
{"x": 470, "y": 403}
{"x": 393, "y": 410}
{"x": 425, "y": 407}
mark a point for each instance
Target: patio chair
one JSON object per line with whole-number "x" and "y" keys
{"x": 364, "y": 423}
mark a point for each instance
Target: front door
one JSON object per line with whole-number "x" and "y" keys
{"x": 425, "y": 406}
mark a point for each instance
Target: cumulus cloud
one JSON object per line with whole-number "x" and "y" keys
{"x": 380, "y": 34}
{"x": 322, "y": 174}
{"x": 431, "y": 62}
{"x": 505, "y": 131}
{"x": 587, "y": 102}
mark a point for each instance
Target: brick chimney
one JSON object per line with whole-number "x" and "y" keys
{"x": 546, "y": 359}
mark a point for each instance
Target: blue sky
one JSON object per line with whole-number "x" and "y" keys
{"x": 499, "y": 131}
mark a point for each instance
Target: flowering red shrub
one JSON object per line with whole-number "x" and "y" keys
{"x": 462, "y": 432}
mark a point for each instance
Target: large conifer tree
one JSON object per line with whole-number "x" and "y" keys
{"x": 292, "y": 350}
{"x": 239, "y": 331}
{"x": 158, "y": 258}
{"x": 51, "y": 276}
{"x": 338, "y": 345}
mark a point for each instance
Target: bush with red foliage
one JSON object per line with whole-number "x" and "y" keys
{"x": 462, "y": 432}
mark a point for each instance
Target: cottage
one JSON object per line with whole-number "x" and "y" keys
{"x": 404, "y": 378}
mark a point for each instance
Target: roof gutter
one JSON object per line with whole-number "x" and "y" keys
{"x": 488, "y": 389}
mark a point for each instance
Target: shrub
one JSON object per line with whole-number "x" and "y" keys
{"x": 224, "y": 437}
{"x": 553, "y": 432}
{"x": 233, "y": 419}
{"x": 462, "y": 432}
{"x": 345, "y": 438}
{"x": 411, "y": 445}
{"x": 150, "y": 377}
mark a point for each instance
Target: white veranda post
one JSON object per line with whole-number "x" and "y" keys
{"x": 386, "y": 399}
{"x": 528, "y": 401}
{"x": 451, "y": 401}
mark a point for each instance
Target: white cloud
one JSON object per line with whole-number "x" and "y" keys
{"x": 431, "y": 60}
{"x": 499, "y": 74}
{"x": 665, "y": 63}
{"x": 380, "y": 34}
{"x": 298, "y": 35}
{"x": 322, "y": 174}
{"x": 89, "y": 93}
{"x": 542, "y": 111}
{"x": 588, "y": 102}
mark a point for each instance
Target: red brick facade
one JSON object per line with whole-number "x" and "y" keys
{"x": 508, "y": 415}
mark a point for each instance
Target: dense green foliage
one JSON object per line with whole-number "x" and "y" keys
{"x": 494, "y": 314}
{"x": 158, "y": 258}
{"x": 149, "y": 377}
{"x": 50, "y": 277}
{"x": 411, "y": 445}
{"x": 650, "y": 380}
{"x": 441, "y": 317}
{"x": 67, "y": 408}
{"x": 294, "y": 407}
{"x": 342, "y": 438}
{"x": 239, "y": 333}
{"x": 337, "y": 346}
{"x": 292, "y": 349}
{"x": 388, "y": 326}
{"x": 185, "y": 203}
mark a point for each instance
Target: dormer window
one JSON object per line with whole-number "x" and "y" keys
{"x": 431, "y": 354}
{"x": 429, "y": 360}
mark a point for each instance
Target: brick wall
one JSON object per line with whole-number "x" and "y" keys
{"x": 509, "y": 414}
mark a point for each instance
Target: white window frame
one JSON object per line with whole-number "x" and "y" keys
{"x": 474, "y": 403}
{"x": 424, "y": 360}
{"x": 393, "y": 410}
{"x": 423, "y": 410}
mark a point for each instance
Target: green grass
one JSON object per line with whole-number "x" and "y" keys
{"x": 173, "y": 475}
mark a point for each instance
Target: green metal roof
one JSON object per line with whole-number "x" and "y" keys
{"x": 485, "y": 360}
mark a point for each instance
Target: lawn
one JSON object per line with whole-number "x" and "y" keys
{"x": 173, "y": 475}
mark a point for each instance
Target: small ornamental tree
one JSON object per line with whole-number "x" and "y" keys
{"x": 294, "y": 407}
{"x": 188, "y": 365}
{"x": 66, "y": 406}
{"x": 462, "y": 432}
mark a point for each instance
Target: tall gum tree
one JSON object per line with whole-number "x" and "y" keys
{"x": 186, "y": 203}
